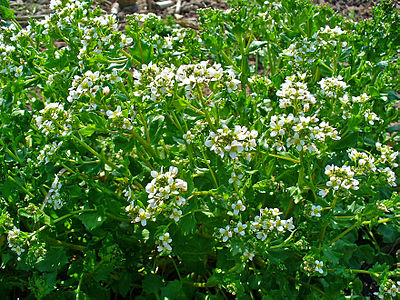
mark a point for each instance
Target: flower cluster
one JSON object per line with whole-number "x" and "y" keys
{"x": 171, "y": 43}
{"x": 16, "y": 241}
{"x": 388, "y": 156}
{"x": 90, "y": 83}
{"x": 269, "y": 223}
{"x": 6, "y": 51}
{"x": 164, "y": 243}
{"x": 341, "y": 178}
{"x": 371, "y": 117}
{"x": 144, "y": 17}
{"x": 54, "y": 119}
{"x": 54, "y": 197}
{"x": 247, "y": 255}
{"x": 331, "y": 33}
{"x": 159, "y": 82}
{"x": 164, "y": 186}
{"x": 294, "y": 93}
{"x": 333, "y": 87}
{"x": 118, "y": 120}
{"x": 238, "y": 207}
{"x": 199, "y": 126}
{"x": 347, "y": 103}
{"x": 366, "y": 164}
{"x": 306, "y": 50}
{"x": 236, "y": 179}
{"x": 47, "y": 152}
{"x": 312, "y": 266}
{"x": 155, "y": 83}
{"x": 388, "y": 290}
{"x": 232, "y": 142}
{"x": 301, "y": 133}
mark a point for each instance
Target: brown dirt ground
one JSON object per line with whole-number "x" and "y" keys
{"x": 187, "y": 8}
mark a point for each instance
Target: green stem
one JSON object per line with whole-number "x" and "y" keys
{"x": 204, "y": 193}
{"x": 134, "y": 60}
{"x": 98, "y": 155}
{"x": 322, "y": 235}
{"x": 141, "y": 157}
{"x": 177, "y": 122}
{"x": 144, "y": 143}
{"x": 381, "y": 221}
{"x": 146, "y": 130}
{"x": 284, "y": 242}
{"x": 176, "y": 267}
{"x": 16, "y": 158}
{"x": 297, "y": 161}
{"x": 209, "y": 167}
{"x": 65, "y": 244}
{"x": 364, "y": 272}
{"x": 342, "y": 234}
{"x": 21, "y": 186}
{"x": 326, "y": 66}
{"x": 227, "y": 59}
{"x": 78, "y": 289}
{"x": 205, "y": 108}
{"x": 117, "y": 218}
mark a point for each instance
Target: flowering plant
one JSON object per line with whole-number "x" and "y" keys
{"x": 256, "y": 157}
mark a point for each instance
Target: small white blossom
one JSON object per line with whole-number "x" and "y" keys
{"x": 164, "y": 242}
{"x": 316, "y": 211}
{"x": 238, "y": 207}
{"x": 176, "y": 214}
{"x": 226, "y": 233}
{"x": 240, "y": 228}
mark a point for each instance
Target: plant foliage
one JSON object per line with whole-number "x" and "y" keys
{"x": 256, "y": 157}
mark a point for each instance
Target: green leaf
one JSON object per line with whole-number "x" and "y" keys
{"x": 392, "y": 129}
{"x": 331, "y": 256}
{"x": 256, "y": 45}
{"x": 102, "y": 271}
{"x": 152, "y": 284}
{"x": 346, "y": 142}
{"x": 4, "y": 3}
{"x": 389, "y": 232}
{"x": 92, "y": 220}
{"x": 6, "y": 13}
{"x": 88, "y": 130}
{"x": 142, "y": 52}
{"x": 124, "y": 283}
{"x": 173, "y": 290}
{"x": 156, "y": 125}
{"x": 187, "y": 224}
{"x": 54, "y": 259}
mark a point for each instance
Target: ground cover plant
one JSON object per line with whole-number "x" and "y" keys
{"x": 255, "y": 158}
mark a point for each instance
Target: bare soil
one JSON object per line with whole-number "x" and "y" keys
{"x": 185, "y": 10}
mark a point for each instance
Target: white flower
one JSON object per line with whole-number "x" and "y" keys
{"x": 226, "y": 233}
{"x": 318, "y": 266}
{"x": 188, "y": 137}
{"x": 248, "y": 255}
{"x": 316, "y": 211}
{"x": 235, "y": 178}
{"x": 176, "y": 214}
{"x": 114, "y": 114}
{"x": 238, "y": 207}
{"x": 240, "y": 228}
{"x": 164, "y": 242}
{"x": 142, "y": 217}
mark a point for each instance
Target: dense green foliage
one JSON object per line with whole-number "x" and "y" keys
{"x": 254, "y": 158}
